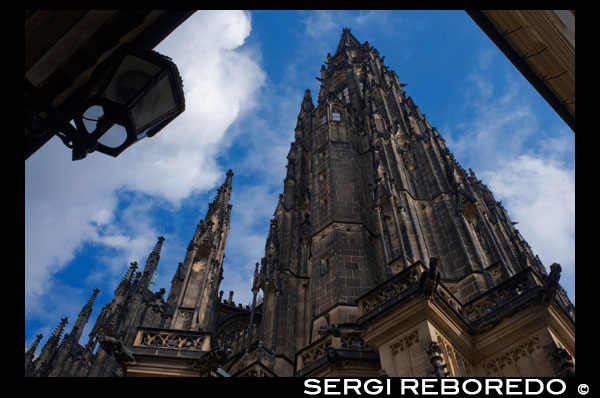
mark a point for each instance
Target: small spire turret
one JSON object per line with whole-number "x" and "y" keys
{"x": 307, "y": 102}
{"x": 151, "y": 264}
{"x": 203, "y": 265}
{"x": 57, "y": 333}
{"x": 49, "y": 350}
{"x": 158, "y": 246}
{"x": 220, "y": 205}
{"x": 30, "y": 354}
{"x": 33, "y": 347}
{"x": 83, "y": 317}
{"x": 127, "y": 278}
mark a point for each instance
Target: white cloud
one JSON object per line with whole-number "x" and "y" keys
{"x": 321, "y": 23}
{"x": 545, "y": 210}
{"x": 253, "y": 205}
{"x": 526, "y": 166}
{"x": 69, "y": 204}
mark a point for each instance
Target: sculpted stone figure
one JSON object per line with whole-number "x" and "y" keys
{"x": 118, "y": 351}
{"x": 430, "y": 278}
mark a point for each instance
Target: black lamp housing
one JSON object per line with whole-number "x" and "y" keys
{"x": 135, "y": 93}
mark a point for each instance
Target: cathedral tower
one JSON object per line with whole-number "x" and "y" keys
{"x": 374, "y": 205}
{"x": 383, "y": 257}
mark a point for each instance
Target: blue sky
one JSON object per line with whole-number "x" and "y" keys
{"x": 244, "y": 75}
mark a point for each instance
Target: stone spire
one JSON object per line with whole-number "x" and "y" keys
{"x": 127, "y": 278}
{"x": 195, "y": 297}
{"x": 30, "y": 353}
{"x": 54, "y": 338}
{"x": 158, "y": 246}
{"x": 151, "y": 264}
{"x": 83, "y": 317}
{"x": 307, "y": 102}
{"x": 219, "y": 206}
{"x": 33, "y": 347}
{"x": 346, "y": 41}
{"x": 49, "y": 350}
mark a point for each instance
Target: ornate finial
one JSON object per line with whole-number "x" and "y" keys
{"x": 153, "y": 282}
{"x": 33, "y": 346}
{"x": 59, "y": 329}
{"x": 227, "y": 183}
{"x": 307, "y": 102}
{"x": 92, "y": 299}
{"x": 158, "y": 246}
{"x": 128, "y": 275}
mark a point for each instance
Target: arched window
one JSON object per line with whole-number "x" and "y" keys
{"x": 343, "y": 95}
{"x": 336, "y": 116}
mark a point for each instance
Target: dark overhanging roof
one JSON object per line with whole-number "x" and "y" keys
{"x": 480, "y": 18}
{"x": 62, "y": 47}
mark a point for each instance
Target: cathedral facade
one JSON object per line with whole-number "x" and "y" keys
{"x": 384, "y": 258}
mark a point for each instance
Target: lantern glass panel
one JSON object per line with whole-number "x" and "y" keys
{"x": 91, "y": 117}
{"x": 131, "y": 76}
{"x": 155, "y": 106}
{"x": 114, "y": 137}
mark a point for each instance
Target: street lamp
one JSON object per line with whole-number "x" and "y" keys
{"x": 133, "y": 94}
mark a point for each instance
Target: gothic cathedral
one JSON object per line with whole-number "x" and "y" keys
{"x": 384, "y": 258}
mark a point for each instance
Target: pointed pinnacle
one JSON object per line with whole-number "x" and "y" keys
{"x": 33, "y": 347}
{"x": 227, "y": 183}
{"x": 158, "y": 245}
{"x": 94, "y": 295}
{"x": 347, "y": 39}
{"x": 92, "y": 299}
{"x": 59, "y": 329}
{"x": 307, "y": 101}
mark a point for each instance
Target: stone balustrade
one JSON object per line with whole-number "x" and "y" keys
{"x": 173, "y": 339}
{"x": 390, "y": 289}
{"x": 502, "y": 297}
